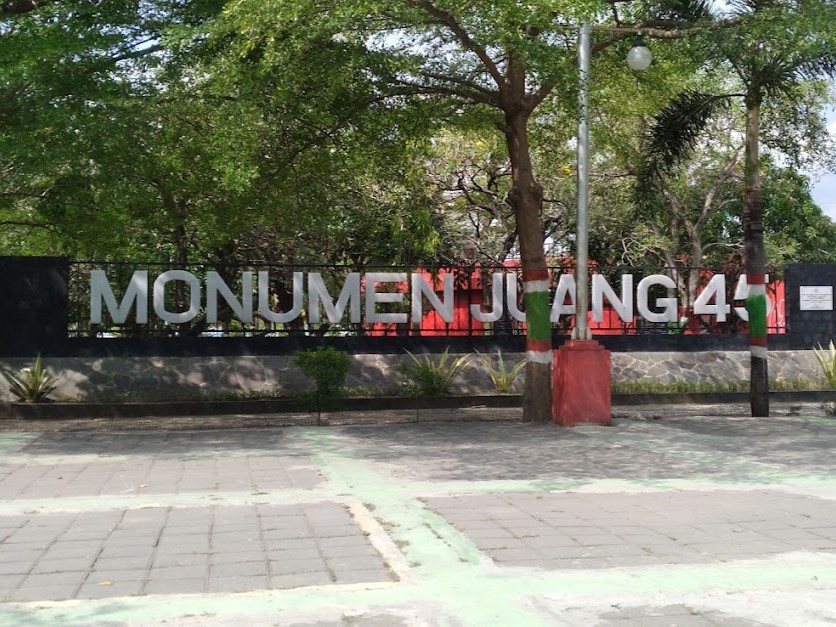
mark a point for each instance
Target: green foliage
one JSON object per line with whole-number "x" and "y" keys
{"x": 162, "y": 130}
{"x": 503, "y": 379}
{"x": 797, "y": 231}
{"x": 151, "y": 394}
{"x": 702, "y": 387}
{"x": 33, "y": 385}
{"x": 795, "y": 385}
{"x": 328, "y": 367}
{"x": 79, "y": 112}
{"x": 679, "y": 125}
{"x": 430, "y": 375}
{"x": 675, "y": 387}
{"x": 768, "y": 56}
{"x": 159, "y": 131}
{"x": 827, "y": 360}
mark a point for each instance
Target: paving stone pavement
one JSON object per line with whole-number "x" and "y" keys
{"x": 686, "y": 520}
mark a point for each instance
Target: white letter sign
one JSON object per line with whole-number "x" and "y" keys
{"x": 669, "y": 313}
{"x": 137, "y": 293}
{"x": 159, "y": 296}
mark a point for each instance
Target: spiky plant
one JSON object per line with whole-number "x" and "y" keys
{"x": 34, "y": 384}
{"x": 503, "y": 379}
{"x": 430, "y": 376}
{"x": 827, "y": 360}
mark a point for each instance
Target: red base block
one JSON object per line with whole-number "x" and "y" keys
{"x": 581, "y": 390}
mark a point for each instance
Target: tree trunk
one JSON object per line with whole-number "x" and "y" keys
{"x": 526, "y": 198}
{"x": 755, "y": 262}
{"x": 694, "y": 273}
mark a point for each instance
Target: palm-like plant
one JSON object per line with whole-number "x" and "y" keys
{"x": 827, "y": 361}
{"x": 772, "y": 46}
{"x": 33, "y": 385}
{"x": 503, "y": 378}
{"x": 432, "y": 376}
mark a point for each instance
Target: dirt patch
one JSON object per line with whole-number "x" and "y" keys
{"x": 256, "y": 421}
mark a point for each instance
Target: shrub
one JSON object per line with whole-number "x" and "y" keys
{"x": 427, "y": 376}
{"x": 503, "y": 379}
{"x": 33, "y": 385}
{"x": 328, "y": 368}
{"x": 827, "y": 360}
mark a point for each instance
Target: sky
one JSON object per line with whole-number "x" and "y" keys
{"x": 824, "y": 184}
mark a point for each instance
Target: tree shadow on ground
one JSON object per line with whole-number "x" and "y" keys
{"x": 715, "y": 449}
{"x": 172, "y": 445}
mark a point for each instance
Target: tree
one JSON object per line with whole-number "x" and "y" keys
{"x": 69, "y": 72}
{"x": 338, "y": 168}
{"x": 472, "y": 175}
{"x": 693, "y": 218}
{"x": 125, "y": 135}
{"x": 773, "y": 49}
{"x": 504, "y": 59}
{"x": 796, "y": 229}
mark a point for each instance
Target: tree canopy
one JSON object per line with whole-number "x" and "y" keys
{"x": 182, "y": 124}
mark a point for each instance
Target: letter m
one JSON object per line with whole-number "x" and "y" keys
{"x": 137, "y": 292}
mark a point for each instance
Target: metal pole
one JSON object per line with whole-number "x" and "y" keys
{"x": 581, "y": 330}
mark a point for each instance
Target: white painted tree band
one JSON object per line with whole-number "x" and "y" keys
{"x": 535, "y": 286}
{"x": 539, "y": 357}
{"x": 758, "y": 351}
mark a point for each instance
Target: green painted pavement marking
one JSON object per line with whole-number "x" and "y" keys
{"x": 95, "y": 503}
{"x": 440, "y": 557}
{"x": 820, "y": 484}
{"x": 450, "y": 577}
{"x": 755, "y": 476}
{"x": 445, "y": 557}
{"x": 479, "y": 599}
{"x": 810, "y": 485}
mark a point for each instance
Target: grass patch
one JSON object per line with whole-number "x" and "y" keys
{"x": 706, "y": 387}
{"x": 370, "y": 392}
{"x": 155, "y": 395}
{"x": 798, "y": 385}
{"x": 187, "y": 394}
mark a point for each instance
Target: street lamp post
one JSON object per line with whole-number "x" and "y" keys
{"x": 581, "y": 329}
{"x": 638, "y": 58}
{"x": 582, "y": 369}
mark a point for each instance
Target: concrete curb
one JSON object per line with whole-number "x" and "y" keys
{"x": 29, "y": 411}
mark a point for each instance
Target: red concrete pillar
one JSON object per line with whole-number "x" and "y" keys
{"x": 581, "y": 390}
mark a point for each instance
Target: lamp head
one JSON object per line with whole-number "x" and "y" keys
{"x": 639, "y": 57}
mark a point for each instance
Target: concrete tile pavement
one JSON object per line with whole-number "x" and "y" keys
{"x": 690, "y": 520}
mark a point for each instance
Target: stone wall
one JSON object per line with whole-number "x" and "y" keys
{"x": 162, "y": 378}
{"x": 713, "y": 366}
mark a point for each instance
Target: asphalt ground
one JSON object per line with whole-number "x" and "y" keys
{"x": 672, "y": 516}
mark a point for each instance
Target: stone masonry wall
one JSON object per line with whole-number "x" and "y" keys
{"x": 164, "y": 378}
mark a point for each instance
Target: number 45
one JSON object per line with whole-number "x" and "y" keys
{"x": 716, "y": 290}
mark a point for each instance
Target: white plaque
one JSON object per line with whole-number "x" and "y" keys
{"x": 816, "y": 297}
